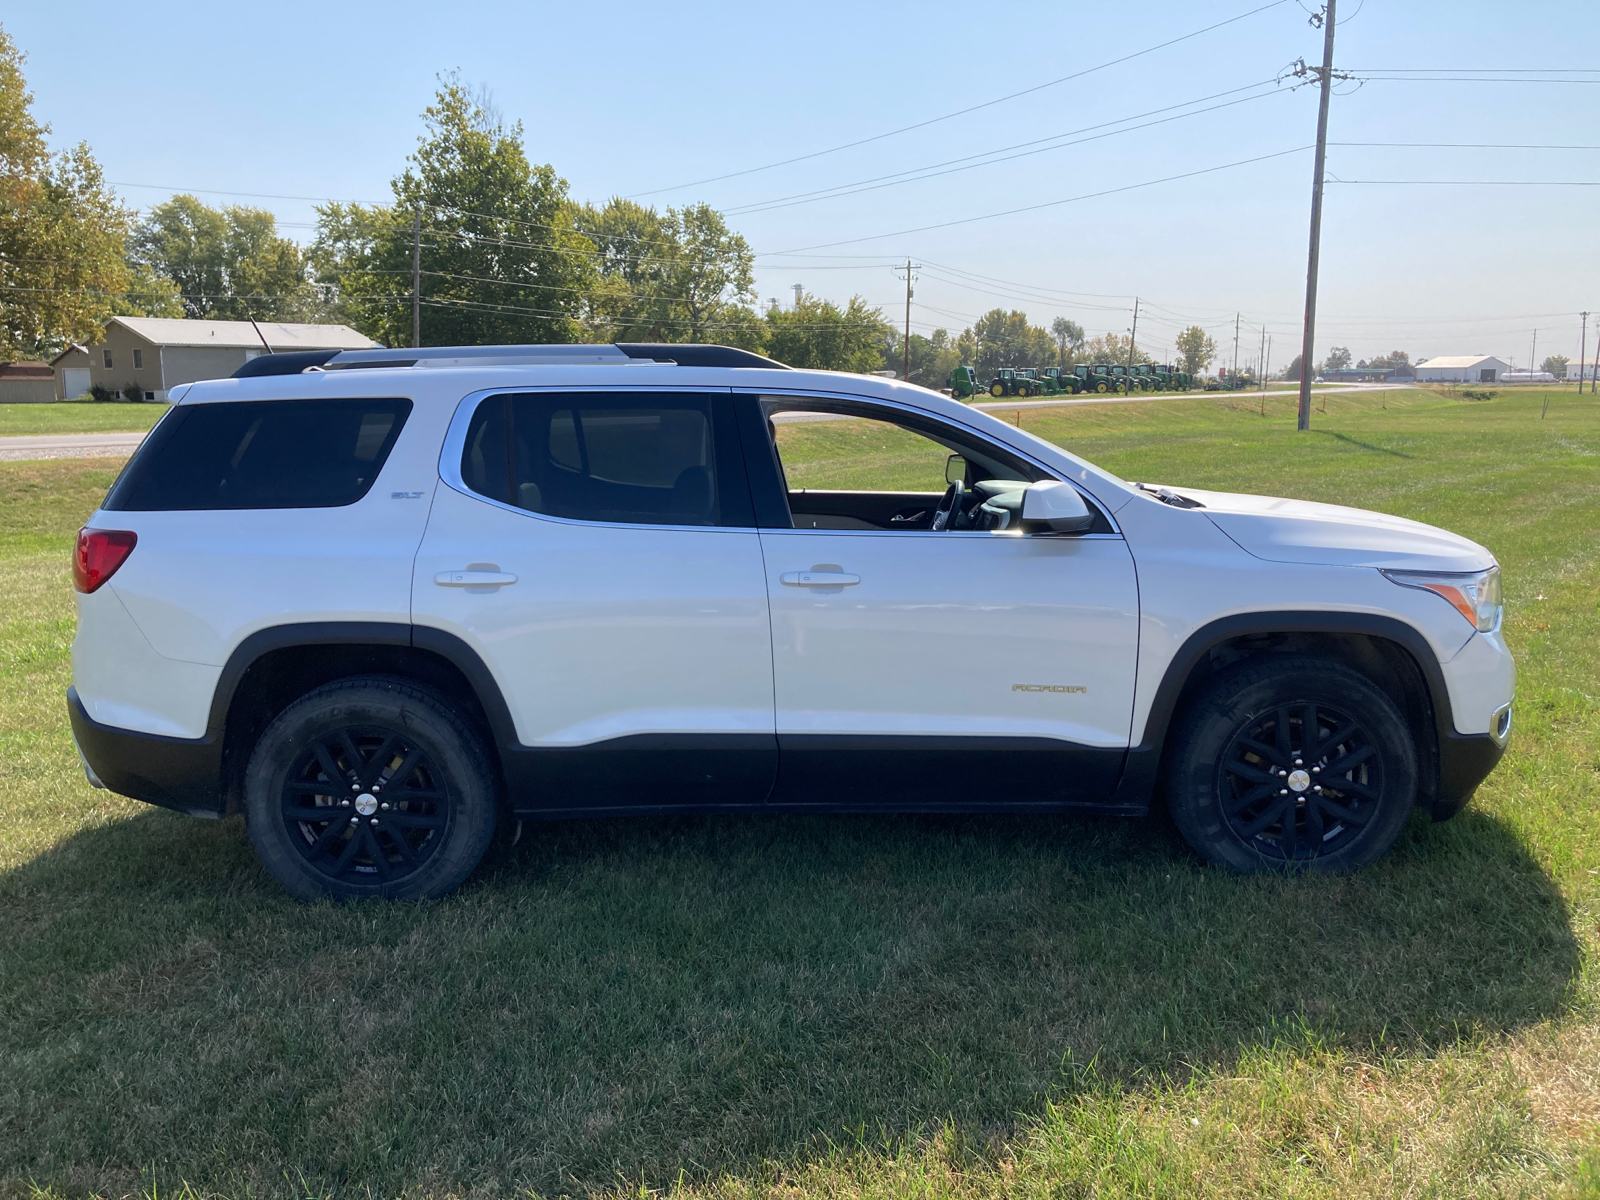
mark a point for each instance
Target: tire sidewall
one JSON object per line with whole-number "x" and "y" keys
{"x": 452, "y": 745}
{"x": 1243, "y": 695}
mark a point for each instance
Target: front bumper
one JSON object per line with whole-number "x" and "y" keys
{"x": 179, "y": 773}
{"x": 1465, "y": 760}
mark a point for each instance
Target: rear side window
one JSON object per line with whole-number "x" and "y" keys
{"x": 261, "y": 454}
{"x": 630, "y": 458}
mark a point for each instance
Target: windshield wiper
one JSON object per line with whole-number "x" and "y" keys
{"x": 1168, "y": 496}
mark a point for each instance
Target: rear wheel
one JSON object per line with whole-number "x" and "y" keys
{"x": 997, "y": 389}
{"x": 1292, "y": 764}
{"x": 370, "y": 788}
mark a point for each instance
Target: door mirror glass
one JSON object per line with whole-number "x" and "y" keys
{"x": 1055, "y": 506}
{"x": 955, "y": 469}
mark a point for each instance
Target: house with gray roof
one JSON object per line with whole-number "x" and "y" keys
{"x": 145, "y": 357}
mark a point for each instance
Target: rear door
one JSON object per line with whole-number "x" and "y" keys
{"x": 598, "y": 551}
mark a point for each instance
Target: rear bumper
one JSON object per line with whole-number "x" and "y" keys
{"x": 178, "y": 773}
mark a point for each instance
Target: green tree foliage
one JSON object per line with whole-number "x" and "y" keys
{"x": 1383, "y": 362}
{"x": 932, "y": 357}
{"x": 1339, "y": 358}
{"x": 229, "y": 264}
{"x": 682, "y": 276}
{"x": 1292, "y": 371}
{"x": 1197, "y": 349}
{"x": 1069, "y": 339}
{"x": 1113, "y": 348}
{"x": 62, "y": 231}
{"x": 1556, "y": 364}
{"x": 502, "y": 258}
{"x": 1006, "y": 339}
{"x": 818, "y": 334}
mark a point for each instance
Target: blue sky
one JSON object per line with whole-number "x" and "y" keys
{"x": 322, "y": 100}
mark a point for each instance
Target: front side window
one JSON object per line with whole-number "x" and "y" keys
{"x": 627, "y": 458}
{"x": 858, "y": 466}
{"x": 260, "y": 454}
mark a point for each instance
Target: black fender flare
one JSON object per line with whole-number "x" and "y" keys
{"x": 1462, "y": 759}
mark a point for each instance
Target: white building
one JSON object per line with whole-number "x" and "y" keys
{"x": 1461, "y": 368}
{"x": 1579, "y": 369}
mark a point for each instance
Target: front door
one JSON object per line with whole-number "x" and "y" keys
{"x": 925, "y": 667}
{"x": 597, "y": 551}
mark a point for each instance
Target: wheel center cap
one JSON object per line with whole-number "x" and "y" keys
{"x": 1299, "y": 780}
{"x": 367, "y": 803}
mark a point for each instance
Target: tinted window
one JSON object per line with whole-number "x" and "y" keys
{"x": 629, "y": 458}
{"x": 261, "y": 454}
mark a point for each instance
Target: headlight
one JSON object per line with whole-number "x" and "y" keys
{"x": 1475, "y": 594}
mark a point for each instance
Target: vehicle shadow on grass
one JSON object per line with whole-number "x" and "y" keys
{"x": 625, "y": 999}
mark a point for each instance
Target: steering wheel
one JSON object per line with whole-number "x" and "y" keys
{"x": 944, "y": 517}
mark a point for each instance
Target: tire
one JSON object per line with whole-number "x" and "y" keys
{"x": 997, "y": 389}
{"x": 1246, "y": 727}
{"x": 367, "y": 733}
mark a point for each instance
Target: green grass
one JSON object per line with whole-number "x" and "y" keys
{"x": 848, "y": 1006}
{"x": 77, "y": 417}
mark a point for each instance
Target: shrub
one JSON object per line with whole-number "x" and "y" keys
{"x": 1477, "y": 394}
{"x": 133, "y": 391}
{"x": 101, "y": 393}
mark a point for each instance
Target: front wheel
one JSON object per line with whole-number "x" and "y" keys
{"x": 997, "y": 389}
{"x": 1292, "y": 764}
{"x": 370, "y": 787}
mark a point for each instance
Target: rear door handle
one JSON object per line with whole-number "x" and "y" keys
{"x": 819, "y": 579}
{"x": 473, "y": 579}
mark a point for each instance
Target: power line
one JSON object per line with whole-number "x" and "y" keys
{"x": 1476, "y": 182}
{"x": 961, "y": 112}
{"x": 991, "y": 157}
{"x": 1467, "y": 145}
{"x": 1243, "y": 162}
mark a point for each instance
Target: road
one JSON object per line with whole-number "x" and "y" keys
{"x": 120, "y": 445}
{"x": 69, "y": 445}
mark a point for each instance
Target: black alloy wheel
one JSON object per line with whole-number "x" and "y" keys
{"x": 1300, "y": 782}
{"x": 364, "y": 804}
{"x": 370, "y": 787}
{"x": 1291, "y": 763}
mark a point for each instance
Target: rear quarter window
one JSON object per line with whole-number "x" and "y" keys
{"x": 261, "y": 454}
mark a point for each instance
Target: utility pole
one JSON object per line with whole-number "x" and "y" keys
{"x": 1236, "y": 344}
{"x": 1533, "y": 355}
{"x": 1261, "y": 361}
{"x": 1309, "y": 341}
{"x": 907, "y": 374}
{"x": 416, "y": 277}
{"x": 1132, "y": 334}
{"x": 1583, "y": 351}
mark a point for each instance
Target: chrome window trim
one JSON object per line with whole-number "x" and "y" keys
{"x": 873, "y": 402}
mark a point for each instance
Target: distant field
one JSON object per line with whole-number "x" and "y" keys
{"x": 848, "y": 1007}
{"x": 77, "y": 417}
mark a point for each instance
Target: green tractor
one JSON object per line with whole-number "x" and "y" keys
{"x": 1009, "y": 381}
{"x": 1057, "y": 382}
{"x": 1093, "y": 379}
{"x": 964, "y": 383}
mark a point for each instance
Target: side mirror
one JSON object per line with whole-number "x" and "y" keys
{"x": 1057, "y": 506}
{"x": 955, "y": 469}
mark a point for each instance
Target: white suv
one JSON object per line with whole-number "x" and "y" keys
{"x": 382, "y": 600}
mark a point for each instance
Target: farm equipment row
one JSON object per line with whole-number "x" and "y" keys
{"x": 1026, "y": 383}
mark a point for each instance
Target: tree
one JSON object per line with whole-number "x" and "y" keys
{"x": 62, "y": 231}
{"x": 1069, "y": 337}
{"x": 932, "y": 358}
{"x": 818, "y": 334}
{"x": 1006, "y": 339}
{"x": 229, "y": 264}
{"x": 1339, "y": 359}
{"x": 1556, "y": 364}
{"x": 1113, "y": 348}
{"x": 1385, "y": 362}
{"x": 1197, "y": 349}
{"x": 502, "y": 259}
{"x": 1292, "y": 371}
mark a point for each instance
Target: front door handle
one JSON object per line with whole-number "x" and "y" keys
{"x": 473, "y": 579}
{"x": 819, "y": 579}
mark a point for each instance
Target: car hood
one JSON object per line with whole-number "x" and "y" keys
{"x": 1299, "y": 531}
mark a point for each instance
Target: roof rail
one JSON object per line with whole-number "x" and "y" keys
{"x": 682, "y": 354}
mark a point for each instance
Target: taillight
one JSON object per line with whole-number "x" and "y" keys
{"x": 100, "y": 552}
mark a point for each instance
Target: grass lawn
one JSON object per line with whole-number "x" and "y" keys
{"x": 77, "y": 417}
{"x": 848, "y": 1006}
